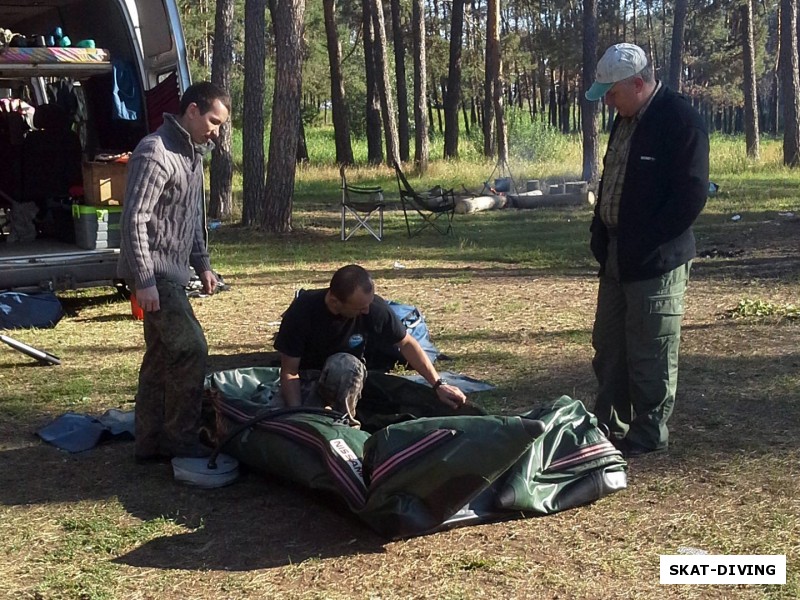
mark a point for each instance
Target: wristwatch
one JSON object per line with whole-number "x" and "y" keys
{"x": 438, "y": 383}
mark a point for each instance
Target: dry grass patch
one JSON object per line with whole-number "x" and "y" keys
{"x": 510, "y": 298}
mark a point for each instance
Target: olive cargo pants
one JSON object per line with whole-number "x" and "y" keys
{"x": 171, "y": 377}
{"x": 636, "y": 337}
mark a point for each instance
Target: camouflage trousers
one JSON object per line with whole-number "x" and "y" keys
{"x": 171, "y": 377}
{"x": 338, "y": 385}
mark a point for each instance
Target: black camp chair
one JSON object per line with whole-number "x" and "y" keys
{"x": 360, "y": 204}
{"x": 431, "y": 206}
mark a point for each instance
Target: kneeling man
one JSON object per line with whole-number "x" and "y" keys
{"x": 323, "y": 338}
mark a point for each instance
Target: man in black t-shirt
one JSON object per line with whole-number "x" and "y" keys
{"x": 323, "y": 338}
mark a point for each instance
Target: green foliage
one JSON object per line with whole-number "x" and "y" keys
{"x": 540, "y": 44}
{"x": 762, "y": 308}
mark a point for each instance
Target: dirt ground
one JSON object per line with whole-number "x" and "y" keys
{"x": 95, "y": 525}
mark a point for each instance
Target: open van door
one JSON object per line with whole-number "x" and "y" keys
{"x": 160, "y": 37}
{"x": 82, "y": 79}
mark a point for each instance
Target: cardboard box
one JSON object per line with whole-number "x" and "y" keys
{"x": 104, "y": 183}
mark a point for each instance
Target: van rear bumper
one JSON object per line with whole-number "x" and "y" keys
{"x": 58, "y": 270}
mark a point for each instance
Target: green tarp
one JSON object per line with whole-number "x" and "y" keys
{"x": 419, "y": 470}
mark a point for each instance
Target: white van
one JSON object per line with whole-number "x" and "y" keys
{"x": 101, "y": 73}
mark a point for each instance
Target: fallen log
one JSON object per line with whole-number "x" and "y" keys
{"x": 529, "y": 200}
{"x": 466, "y": 206}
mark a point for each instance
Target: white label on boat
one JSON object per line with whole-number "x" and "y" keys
{"x": 341, "y": 448}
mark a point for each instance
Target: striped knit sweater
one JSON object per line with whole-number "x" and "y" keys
{"x": 162, "y": 227}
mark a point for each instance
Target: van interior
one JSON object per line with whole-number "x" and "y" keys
{"x": 79, "y": 79}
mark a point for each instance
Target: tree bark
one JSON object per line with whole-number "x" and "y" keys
{"x": 255, "y": 56}
{"x": 499, "y": 110}
{"x": 421, "y": 150}
{"x": 220, "y": 201}
{"x": 288, "y": 19}
{"x": 384, "y": 83}
{"x": 373, "y": 106}
{"x": 491, "y": 77}
{"x": 400, "y": 79}
{"x": 790, "y": 83}
{"x": 676, "y": 53}
{"x": 341, "y": 121}
{"x": 589, "y": 109}
{"x": 751, "y": 129}
{"x": 453, "y": 95}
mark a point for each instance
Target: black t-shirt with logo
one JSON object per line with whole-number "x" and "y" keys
{"x": 311, "y": 332}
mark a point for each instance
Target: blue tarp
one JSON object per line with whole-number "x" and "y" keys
{"x": 75, "y": 432}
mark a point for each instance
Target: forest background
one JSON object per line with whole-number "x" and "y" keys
{"x": 478, "y": 80}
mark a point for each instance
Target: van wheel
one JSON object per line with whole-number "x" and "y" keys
{"x": 123, "y": 289}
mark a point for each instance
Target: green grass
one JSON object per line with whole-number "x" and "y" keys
{"x": 510, "y": 297}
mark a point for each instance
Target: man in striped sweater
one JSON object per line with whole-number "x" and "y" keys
{"x": 163, "y": 235}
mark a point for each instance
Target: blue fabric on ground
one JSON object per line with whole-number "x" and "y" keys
{"x": 466, "y": 384}
{"x": 74, "y": 432}
{"x": 21, "y": 311}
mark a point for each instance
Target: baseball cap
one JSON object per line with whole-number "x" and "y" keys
{"x": 619, "y": 62}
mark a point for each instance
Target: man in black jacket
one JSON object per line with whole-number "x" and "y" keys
{"x": 654, "y": 185}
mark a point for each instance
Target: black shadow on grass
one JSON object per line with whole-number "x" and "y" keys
{"x": 126, "y": 316}
{"x": 317, "y": 279}
{"x": 72, "y": 305}
{"x": 255, "y": 523}
{"x": 776, "y": 268}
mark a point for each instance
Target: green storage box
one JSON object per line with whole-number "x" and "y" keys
{"x": 96, "y": 228}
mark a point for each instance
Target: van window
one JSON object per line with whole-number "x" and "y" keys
{"x": 155, "y": 30}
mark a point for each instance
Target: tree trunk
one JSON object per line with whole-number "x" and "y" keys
{"x": 676, "y": 54}
{"x": 453, "y": 95}
{"x": 563, "y": 102}
{"x": 420, "y": 86}
{"x": 255, "y": 56}
{"x": 341, "y": 121}
{"x": 751, "y": 132}
{"x": 491, "y": 76}
{"x": 400, "y": 79}
{"x": 220, "y": 201}
{"x": 499, "y": 111}
{"x": 589, "y": 109}
{"x": 790, "y": 83}
{"x": 373, "y": 108}
{"x": 384, "y": 83}
{"x": 287, "y": 18}
{"x": 301, "y": 156}
{"x": 650, "y": 38}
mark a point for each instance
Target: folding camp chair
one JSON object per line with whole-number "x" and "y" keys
{"x": 430, "y": 206}
{"x": 361, "y": 203}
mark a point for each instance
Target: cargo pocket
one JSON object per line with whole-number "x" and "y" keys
{"x": 663, "y": 316}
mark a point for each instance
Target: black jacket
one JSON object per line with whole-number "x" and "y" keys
{"x": 665, "y": 188}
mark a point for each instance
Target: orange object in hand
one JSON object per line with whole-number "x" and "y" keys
{"x": 136, "y": 310}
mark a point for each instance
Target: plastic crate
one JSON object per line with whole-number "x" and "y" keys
{"x": 95, "y": 227}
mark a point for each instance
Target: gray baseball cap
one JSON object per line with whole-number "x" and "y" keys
{"x": 619, "y": 62}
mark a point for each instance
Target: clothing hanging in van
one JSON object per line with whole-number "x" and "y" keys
{"x": 127, "y": 95}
